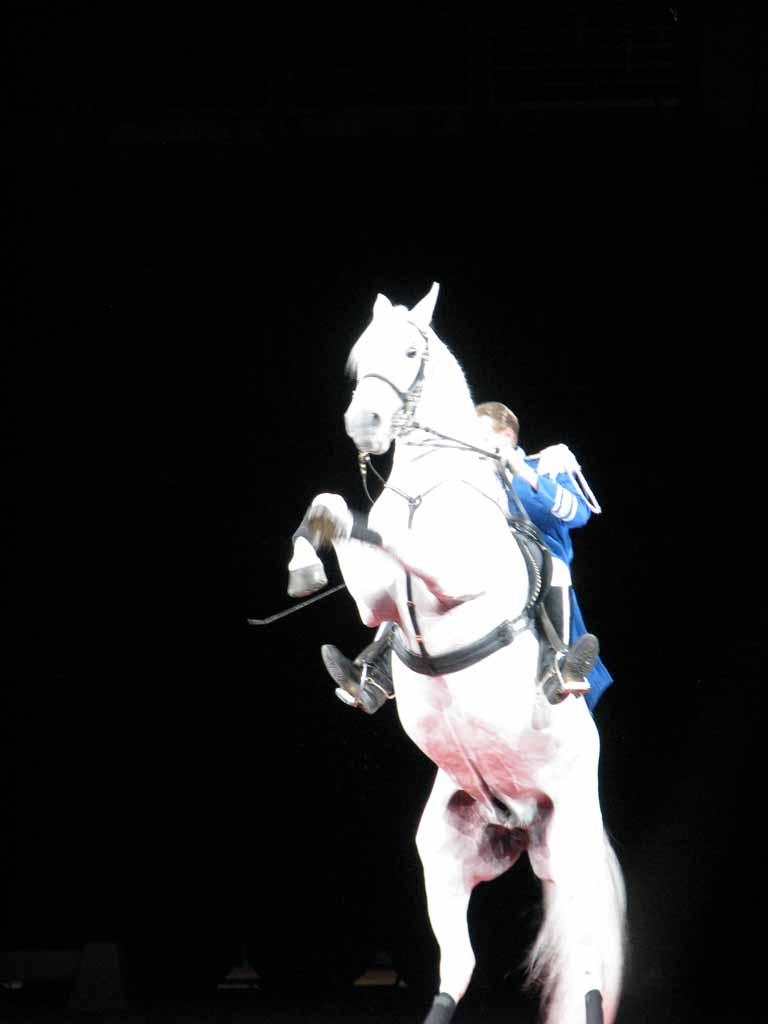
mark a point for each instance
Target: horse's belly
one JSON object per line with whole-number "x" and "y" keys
{"x": 477, "y": 725}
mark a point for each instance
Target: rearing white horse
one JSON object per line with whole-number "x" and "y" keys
{"x": 514, "y": 774}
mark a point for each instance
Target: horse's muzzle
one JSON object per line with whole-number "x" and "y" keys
{"x": 367, "y": 431}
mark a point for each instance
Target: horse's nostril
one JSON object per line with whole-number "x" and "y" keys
{"x": 362, "y": 422}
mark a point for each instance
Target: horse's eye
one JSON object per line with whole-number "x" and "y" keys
{"x": 411, "y": 352}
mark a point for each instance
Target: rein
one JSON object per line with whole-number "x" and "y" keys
{"x": 466, "y": 446}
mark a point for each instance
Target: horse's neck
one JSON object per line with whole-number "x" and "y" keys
{"x": 424, "y": 459}
{"x": 422, "y": 462}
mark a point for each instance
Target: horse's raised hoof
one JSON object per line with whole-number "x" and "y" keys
{"x": 594, "y": 1004}
{"x": 306, "y": 580}
{"x": 443, "y": 1008}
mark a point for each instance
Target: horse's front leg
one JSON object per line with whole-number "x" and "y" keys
{"x": 326, "y": 521}
{"x": 368, "y": 572}
{"x": 326, "y": 516}
{"x": 369, "y": 567}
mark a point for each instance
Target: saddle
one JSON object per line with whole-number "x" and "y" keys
{"x": 538, "y": 560}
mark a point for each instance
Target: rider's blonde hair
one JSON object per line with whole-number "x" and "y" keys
{"x": 503, "y": 417}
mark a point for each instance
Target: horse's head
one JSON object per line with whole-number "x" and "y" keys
{"x": 389, "y": 361}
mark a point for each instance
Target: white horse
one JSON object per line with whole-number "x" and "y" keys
{"x": 514, "y": 773}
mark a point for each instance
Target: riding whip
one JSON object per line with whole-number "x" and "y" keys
{"x": 296, "y": 607}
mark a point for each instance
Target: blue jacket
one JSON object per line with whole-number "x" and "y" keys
{"x": 558, "y": 507}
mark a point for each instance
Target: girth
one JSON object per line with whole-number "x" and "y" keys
{"x": 471, "y": 654}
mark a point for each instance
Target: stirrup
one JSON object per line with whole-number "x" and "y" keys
{"x": 568, "y": 673}
{"x": 372, "y": 694}
{"x": 356, "y": 685}
{"x": 576, "y": 688}
{"x": 556, "y": 687}
{"x": 553, "y": 685}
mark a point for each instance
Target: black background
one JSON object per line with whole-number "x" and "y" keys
{"x": 194, "y": 248}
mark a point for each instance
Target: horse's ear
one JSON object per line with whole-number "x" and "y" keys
{"x": 381, "y": 305}
{"x": 424, "y": 309}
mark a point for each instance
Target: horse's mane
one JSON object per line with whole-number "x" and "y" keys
{"x": 460, "y": 398}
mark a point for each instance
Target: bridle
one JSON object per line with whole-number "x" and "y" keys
{"x": 403, "y": 420}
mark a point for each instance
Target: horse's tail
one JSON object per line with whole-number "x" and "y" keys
{"x": 580, "y": 934}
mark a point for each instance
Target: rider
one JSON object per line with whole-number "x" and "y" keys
{"x": 556, "y": 498}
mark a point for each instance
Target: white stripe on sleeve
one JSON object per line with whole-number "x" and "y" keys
{"x": 565, "y": 505}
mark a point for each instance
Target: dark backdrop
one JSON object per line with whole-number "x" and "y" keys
{"x": 195, "y": 247}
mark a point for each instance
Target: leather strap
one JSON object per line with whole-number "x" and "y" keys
{"x": 445, "y": 664}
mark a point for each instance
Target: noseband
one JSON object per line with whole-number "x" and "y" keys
{"x": 403, "y": 420}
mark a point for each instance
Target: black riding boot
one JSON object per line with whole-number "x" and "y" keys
{"x": 366, "y": 682}
{"x": 563, "y": 670}
{"x": 563, "y": 673}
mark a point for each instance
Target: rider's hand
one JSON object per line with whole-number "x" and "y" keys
{"x": 515, "y": 463}
{"x": 514, "y": 460}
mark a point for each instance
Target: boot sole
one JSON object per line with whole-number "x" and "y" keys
{"x": 580, "y": 661}
{"x": 333, "y": 660}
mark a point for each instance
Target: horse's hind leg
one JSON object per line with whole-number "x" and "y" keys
{"x": 594, "y": 1005}
{"x": 578, "y": 954}
{"x": 457, "y": 849}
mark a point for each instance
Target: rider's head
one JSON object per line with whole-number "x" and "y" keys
{"x": 499, "y": 424}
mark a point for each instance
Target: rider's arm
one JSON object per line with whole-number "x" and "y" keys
{"x": 558, "y": 498}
